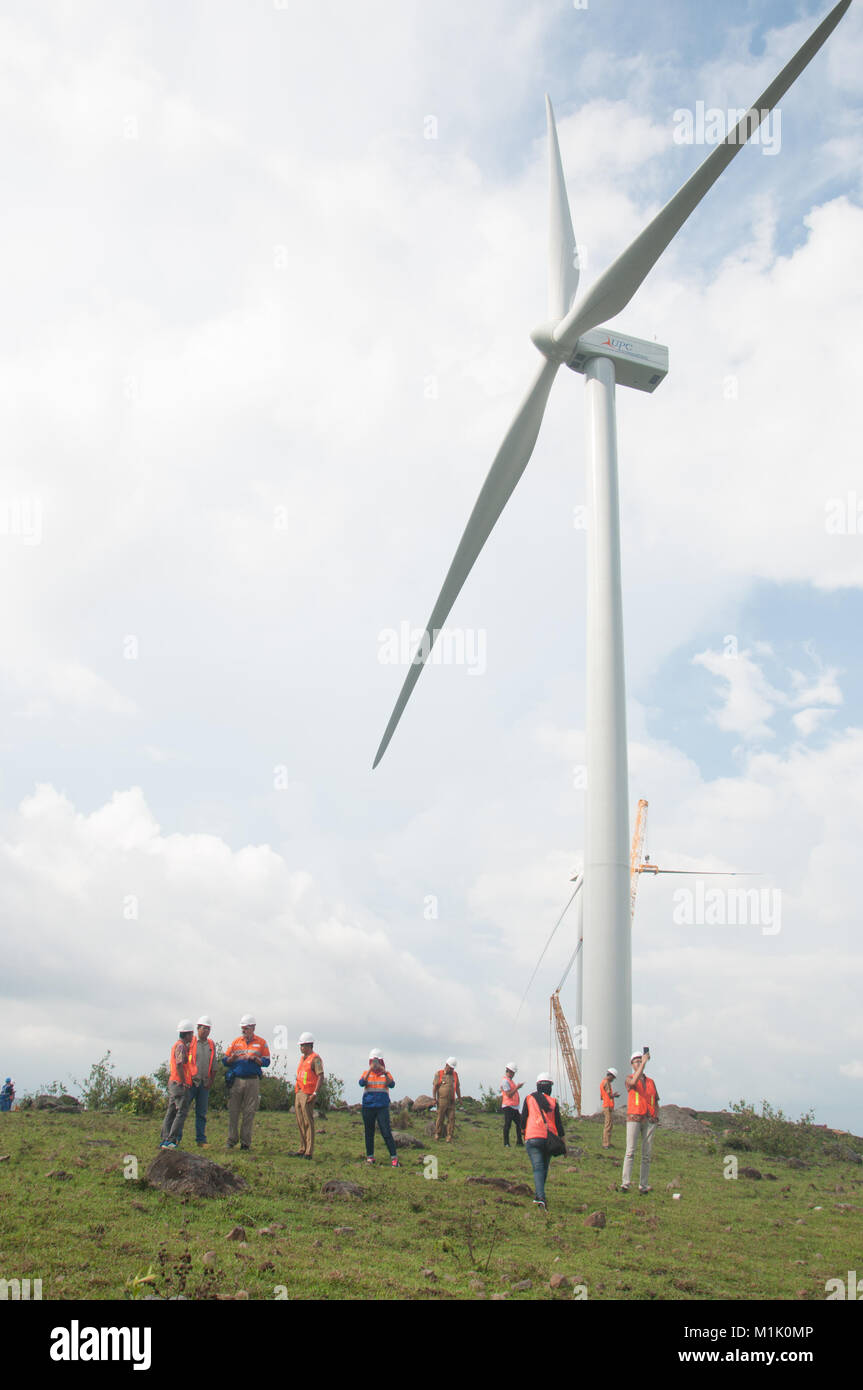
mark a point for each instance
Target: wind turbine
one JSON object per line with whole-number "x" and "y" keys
{"x": 604, "y": 359}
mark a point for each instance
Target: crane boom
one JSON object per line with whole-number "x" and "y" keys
{"x": 638, "y": 838}
{"x": 564, "y": 1038}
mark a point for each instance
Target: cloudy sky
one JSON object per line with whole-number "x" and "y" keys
{"x": 268, "y": 276}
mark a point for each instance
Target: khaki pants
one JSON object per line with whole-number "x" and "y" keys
{"x": 245, "y": 1096}
{"x": 646, "y": 1129}
{"x": 304, "y": 1108}
{"x": 179, "y": 1098}
{"x": 445, "y": 1115}
{"x": 608, "y": 1116}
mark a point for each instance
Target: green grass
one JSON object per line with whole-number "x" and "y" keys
{"x": 414, "y": 1238}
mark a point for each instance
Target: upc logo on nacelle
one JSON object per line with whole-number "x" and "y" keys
{"x": 619, "y": 344}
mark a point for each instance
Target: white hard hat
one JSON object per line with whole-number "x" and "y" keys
{"x": 305, "y": 1038}
{"x": 635, "y": 1056}
{"x": 185, "y": 1026}
{"x": 450, "y": 1062}
{"x": 612, "y": 1071}
{"x": 544, "y": 1076}
{"x": 376, "y": 1055}
{"x": 510, "y": 1066}
{"x": 248, "y": 1020}
{"x": 204, "y": 1021}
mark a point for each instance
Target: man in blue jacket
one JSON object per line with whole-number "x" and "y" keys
{"x": 244, "y": 1059}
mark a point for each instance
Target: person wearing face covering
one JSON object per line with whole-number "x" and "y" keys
{"x": 540, "y": 1116}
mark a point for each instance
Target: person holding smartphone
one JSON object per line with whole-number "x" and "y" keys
{"x": 642, "y": 1117}
{"x": 377, "y": 1083}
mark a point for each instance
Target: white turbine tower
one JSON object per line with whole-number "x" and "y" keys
{"x": 604, "y": 359}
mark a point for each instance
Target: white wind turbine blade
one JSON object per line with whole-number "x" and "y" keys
{"x": 562, "y": 252}
{"x": 616, "y": 286}
{"x": 510, "y": 462}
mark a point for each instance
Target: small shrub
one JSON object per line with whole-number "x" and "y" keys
{"x": 489, "y": 1100}
{"x": 771, "y": 1132}
{"x": 330, "y": 1094}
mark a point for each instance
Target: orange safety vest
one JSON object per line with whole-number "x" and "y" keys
{"x": 607, "y": 1098}
{"x": 307, "y": 1079}
{"x": 181, "y": 1074}
{"x": 536, "y": 1127}
{"x": 442, "y": 1077}
{"x": 376, "y": 1080}
{"x": 193, "y": 1057}
{"x": 642, "y": 1098}
{"x": 508, "y": 1097}
{"x": 253, "y": 1051}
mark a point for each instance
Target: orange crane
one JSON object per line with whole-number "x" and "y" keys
{"x": 639, "y": 863}
{"x": 557, "y": 1018}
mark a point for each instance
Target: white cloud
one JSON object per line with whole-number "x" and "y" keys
{"x": 238, "y": 308}
{"x": 750, "y": 700}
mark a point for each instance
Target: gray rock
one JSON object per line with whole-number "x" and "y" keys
{"x": 334, "y": 1187}
{"x": 406, "y": 1141}
{"x": 186, "y": 1174}
{"x": 62, "y": 1105}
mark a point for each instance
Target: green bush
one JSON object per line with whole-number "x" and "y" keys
{"x": 771, "y": 1132}
{"x": 330, "y": 1094}
{"x": 489, "y": 1100}
{"x": 99, "y": 1088}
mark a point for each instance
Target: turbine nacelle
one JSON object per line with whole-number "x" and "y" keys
{"x": 637, "y": 362}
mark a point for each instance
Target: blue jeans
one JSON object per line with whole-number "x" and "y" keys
{"x": 200, "y": 1100}
{"x": 378, "y": 1115}
{"x": 537, "y": 1152}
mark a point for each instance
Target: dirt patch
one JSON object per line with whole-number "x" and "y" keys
{"x": 518, "y": 1189}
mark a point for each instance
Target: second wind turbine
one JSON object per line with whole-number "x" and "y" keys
{"x": 605, "y": 359}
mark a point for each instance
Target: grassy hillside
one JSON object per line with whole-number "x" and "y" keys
{"x": 70, "y": 1217}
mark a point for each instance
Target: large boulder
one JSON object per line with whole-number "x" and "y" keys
{"x": 190, "y": 1175}
{"x": 63, "y": 1105}
{"x": 424, "y": 1103}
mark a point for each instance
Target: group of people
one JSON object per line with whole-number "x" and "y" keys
{"x": 7, "y": 1094}
{"x": 191, "y": 1069}
{"x": 537, "y": 1121}
{"x": 539, "y": 1127}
